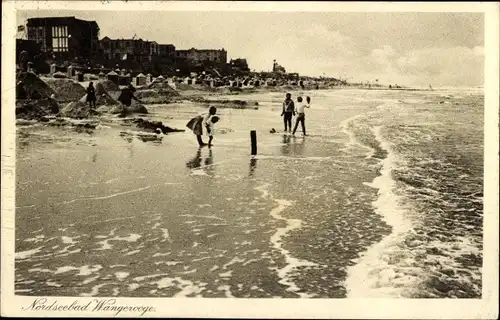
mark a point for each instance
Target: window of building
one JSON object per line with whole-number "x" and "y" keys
{"x": 38, "y": 34}
{"x": 60, "y": 39}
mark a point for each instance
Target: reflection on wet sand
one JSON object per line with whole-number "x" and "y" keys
{"x": 298, "y": 145}
{"x": 253, "y": 165}
{"x": 292, "y": 145}
{"x": 285, "y": 148}
{"x": 197, "y": 160}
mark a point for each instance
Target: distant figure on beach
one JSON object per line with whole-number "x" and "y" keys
{"x": 24, "y": 57}
{"x": 201, "y": 121}
{"x": 302, "y": 116}
{"x": 91, "y": 98}
{"x": 288, "y": 112}
{"x": 127, "y": 95}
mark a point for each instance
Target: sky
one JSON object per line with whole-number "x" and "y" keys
{"x": 406, "y": 48}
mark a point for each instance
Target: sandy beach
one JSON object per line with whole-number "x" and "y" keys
{"x": 375, "y": 202}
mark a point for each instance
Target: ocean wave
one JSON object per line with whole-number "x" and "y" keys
{"x": 430, "y": 192}
{"x": 373, "y": 276}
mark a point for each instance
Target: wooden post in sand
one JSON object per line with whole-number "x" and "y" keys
{"x": 253, "y": 138}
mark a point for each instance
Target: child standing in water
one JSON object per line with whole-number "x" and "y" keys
{"x": 210, "y": 128}
{"x": 288, "y": 112}
{"x": 198, "y": 123}
{"x": 302, "y": 116}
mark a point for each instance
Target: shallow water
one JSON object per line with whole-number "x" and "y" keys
{"x": 382, "y": 199}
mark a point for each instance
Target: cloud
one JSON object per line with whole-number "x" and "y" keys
{"x": 318, "y": 50}
{"x": 441, "y": 66}
{"x": 459, "y": 66}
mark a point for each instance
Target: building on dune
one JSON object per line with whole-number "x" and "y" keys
{"x": 65, "y": 37}
{"x": 198, "y": 55}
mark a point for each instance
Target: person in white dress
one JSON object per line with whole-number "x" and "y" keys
{"x": 200, "y": 123}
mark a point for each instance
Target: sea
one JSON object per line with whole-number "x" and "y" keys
{"x": 382, "y": 198}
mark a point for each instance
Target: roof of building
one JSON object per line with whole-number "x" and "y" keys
{"x": 40, "y": 21}
{"x": 106, "y": 38}
{"x": 201, "y": 50}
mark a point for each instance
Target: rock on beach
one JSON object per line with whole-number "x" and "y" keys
{"x": 78, "y": 110}
{"x": 37, "y": 109}
{"x": 66, "y": 90}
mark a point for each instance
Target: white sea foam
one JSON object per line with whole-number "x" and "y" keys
{"x": 106, "y": 197}
{"x": 198, "y": 216}
{"x": 227, "y": 290}
{"x": 83, "y": 270}
{"x": 226, "y": 274}
{"x": 68, "y": 240}
{"x": 105, "y": 243}
{"x": 264, "y": 157}
{"x": 121, "y": 275}
{"x": 132, "y": 252}
{"x": 36, "y": 239}
{"x": 187, "y": 287}
{"x": 28, "y": 253}
{"x": 292, "y": 263}
{"x": 53, "y": 284}
{"x": 90, "y": 280}
{"x": 372, "y": 276}
{"x": 344, "y": 126}
{"x": 39, "y": 270}
{"x": 198, "y": 172}
{"x": 233, "y": 261}
{"x": 94, "y": 291}
{"x": 166, "y": 235}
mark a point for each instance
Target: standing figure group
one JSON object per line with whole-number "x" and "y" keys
{"x": 289, "y": 111}
{"x": 204, "y": 123}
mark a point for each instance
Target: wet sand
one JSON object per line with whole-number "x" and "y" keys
{"x": 112, "y": 212}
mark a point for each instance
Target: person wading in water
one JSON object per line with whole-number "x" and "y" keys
{"x": 288, "y": 112}
{"x": 199, "y": 122}
{"x": 127, "y": 95}
{"x": 302, "y": 115}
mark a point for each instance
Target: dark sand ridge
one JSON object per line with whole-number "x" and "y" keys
{"x": 157, "y": 93}
{"x": 41, "y": 105}
{"x": 28, "y": 84}
{"x": 109, "y": 85}
{"x": 66, "y": 90}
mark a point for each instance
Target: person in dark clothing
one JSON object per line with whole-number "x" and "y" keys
{"x": 288, "y": 112}
{"x": 127, "y": 95}
{"x": 91, "y": 98}
{"x": 24, "y": 57}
